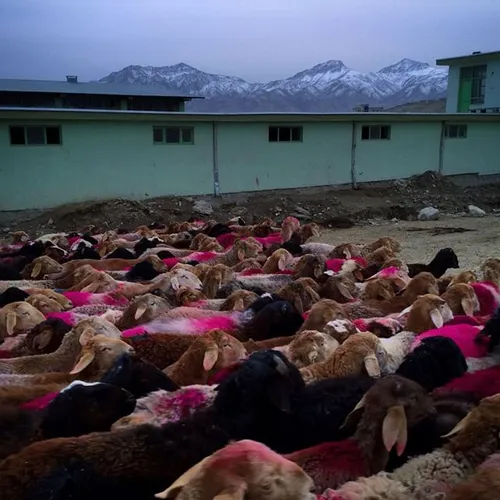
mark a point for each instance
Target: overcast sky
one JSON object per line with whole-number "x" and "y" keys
{"x": 258, "y": 40}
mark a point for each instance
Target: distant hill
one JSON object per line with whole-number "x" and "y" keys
{"x": 435, "y": 106}
{"x": 327, "y": 87}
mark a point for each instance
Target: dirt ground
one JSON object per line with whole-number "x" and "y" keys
{"x": 473, "y": 240}
{"x": 329, "y": 207}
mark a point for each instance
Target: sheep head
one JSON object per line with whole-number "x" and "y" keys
{"x": 246, "y": 249}
{"x": 18, "y": 317}
{"x": 427, "y": 312}
{"x": 19, "y": 237}
{"x": 239, "y": 300}
{"x": 288, "y": 227}
{"x": 467, "y": 277}
{"x": 42, "y": 266}
{"x": 462, "y": 299}
{"x": 222, "y": 350}
{"x": 386, "y": 241}
{"x": 309, "y": 347}
{"x": 345, "y": 251}
{"x": 340, "y": 329}
{"x": 421, "y": 284}
{"x": 321, "y": 313}
{"x": 147, "y": 307}
{"x": 278, "y": 261}
{"x": 379, "y": 289}
{"x": 340, "y": 288}
{"x": 59, "y": 297}
{"x": 100, "y": 325}
{"x": 217, "y": 276}
{"x": 47, "y": 336}
{"x": 380, "y": 256}
{"x": 242, "y": 469}
{"x": 491, "y": 270}
{"x": 44, "y": 304}
{"x": 100, "y": 351}
{"x": 396, "y": 403}
{"x": 480, "y": 427}
{"x": 185, "y": 296}
{"x": 393, "y": 273}
{"x": 310, "y": 266}
{"x": 300, "y": 294}
{"x": 175, "y": 279}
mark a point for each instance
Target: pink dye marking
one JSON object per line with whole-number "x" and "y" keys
{"x": 110, "y": 299}
{"x": 361, "y": 324}
{"x": 251, "y": 272}
{"x": 170, "y": 262}
{"x": 133, "y": 332}
{"x": 73, "y": 239}
{"x": 5, "y": 354}
{"x": 215, "y": 322}
{"x": 272, "y": 239}
{"x": 226, "y": 240}
{"x": 78, "y": 298}
{"x": 41, "y": 402}
{"x": 462, "y": 319}
{"x": 222, "y": 374}
{"x": 483, "y": 383}
{"x": 202, "y": 256}
{"x": 488, "y": 296}
{"x": 67, "y": 316}
{"x": 305, "y": 315}
{"x": 335, "y": 265}
{"x": 463, "y": 335}
{"x": 285, "y": 271}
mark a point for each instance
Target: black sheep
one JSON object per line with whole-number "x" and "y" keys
{"x": 12, "y": 294}
{"x": 9, "y": 272}
{"x": 144, "y": 244}
{"x": 445, "y": 259}
{"x": 491, "y": 331}
{"x": 142, "y": 271}
{"x": 120, "y": 253}
{"x": 84, "y": 252}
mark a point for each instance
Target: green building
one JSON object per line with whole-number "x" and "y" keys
{"x": 53, "y": 151}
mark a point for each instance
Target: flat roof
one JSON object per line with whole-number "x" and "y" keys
{"x": 96, "y": 88}
{"x": 17, "y": 113}
{"x": 468, "y": 58}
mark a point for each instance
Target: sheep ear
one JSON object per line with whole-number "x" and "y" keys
{"x": 371, "y": 365}
{"x": 347, "y": 253}
{"x": 358, "y": 274}
{"x": 175, "y": 488}
{"x": 174, "y": 282}
{"x": 344, "y": 291}
{"x": 140, "y": 311}
{"x": 37, "y": 269}
{"x": 318, "y": 272}
{"x": 385, "y": 294}
{"x": 299, "y": 304}
{"x": 42, "y": 340}
{"x": 241, "y": 254}
{"x": 404, "y": 311}
{"x": 86, "y": 358}
{"x": 91, "y": 288}
{"x": 11, "y": 322}
{"x": 102, "y": 251}
{"x": 436, "y": 318}
{"x": 353, "y": 416}
{"x": 459, "y": 427}
{"x": 282, "y": 263}
{"x": 400, "y": 282}
{"x": 86, "y": 336}
{"x": 238, "y": 305}
{"x": 467, "y": 307}
{"x": 394, "y": 429}
{"x": 210, "y": 358}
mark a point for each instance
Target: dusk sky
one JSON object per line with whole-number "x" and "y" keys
{"x": 258, "y": 40}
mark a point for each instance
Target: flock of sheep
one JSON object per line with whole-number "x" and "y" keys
{"x": 227, "y": 361}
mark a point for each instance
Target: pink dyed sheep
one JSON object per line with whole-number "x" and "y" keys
{"x": 488, "y": 295}
{"x": 87, "y": 298}
{"x": 482, "y": 383}
{"x": 336, "y": 265}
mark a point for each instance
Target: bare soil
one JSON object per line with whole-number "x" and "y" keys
{"x": 329, "y": 207}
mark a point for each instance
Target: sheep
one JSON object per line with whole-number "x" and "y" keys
{"x": 385, "y": 241}
{"x": 278, "y": 261}
{"x": 321, "y": 313}
{"x": 378, "y": 289}
{"x": 217, "y": 275}
{"x": 44, "y": 338}
{"x": 433, "y": 363}
{"x": 340, "y": 329}
{"x": 242, "y": 468}
{"x": 339, "y": 288}
{"x": 379, "y": 256}
{"x": 386, "y": 411}
{"x": 491, "y": 331}
{"x": 302, "y": 295}
{"x": 265, "y": 384}
{"x": 77, "y": 410}
{"x": 207, "y": 354}
{"x": 345, "y": 251}
{"x": 9, "y": 273}
{"x": 142, "y": 309}
{"x": 18, "y": 317}
{"x": 427, "y": 312}
{"x": 203, "y": 243}
{"x": 44, "y": 304}
{"x": 40, "y": 267}
{"x": 12, "y": 294}
{"x": 309, "y": 347}
{"x": 63, "y": 359}
{"x": 359, "y": 353}
{"x": 310, "y": 266}
{"x": 162, "y": 407}
{"x": 65, "y": 303}
{"x": 241, "y": 250}
{"x": 491, "y": 270}
{"x": 142, "y": 271}
{"x": 462, "y": 299}
{"x": 445, "y": 259}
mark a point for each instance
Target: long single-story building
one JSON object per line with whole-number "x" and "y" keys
{"x": 54, "y": 156}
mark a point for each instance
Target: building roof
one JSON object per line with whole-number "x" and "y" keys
{"x": 96, "y": 88}
{"x": 469, "y": 58}
{"x": 299, "y": 118}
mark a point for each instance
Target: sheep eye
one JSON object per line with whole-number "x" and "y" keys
{"x": 227, "y": 345}
{"x": 105, "y": 349}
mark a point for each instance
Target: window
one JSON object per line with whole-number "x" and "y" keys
{"x": 285, "y": 134}
{"x": 455, "y": 131}
{"x": 375, "y": 132}
{"x": 477, "y": 77}
{"x": 35, "y": 136}
{"x": 173, "y": 135}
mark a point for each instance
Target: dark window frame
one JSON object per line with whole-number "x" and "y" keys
{"x": 455, "y": 131}
{"x": 376, "y": 132}
{"x": 47, "y": 131}
{"x": 477, "y": 75}
{"x": 181, "y": 131}
{"x": 285, "y": 133}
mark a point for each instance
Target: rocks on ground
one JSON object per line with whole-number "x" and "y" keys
{"x": 428, "y": 213}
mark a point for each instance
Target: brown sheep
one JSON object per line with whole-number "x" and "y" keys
{"x": 299, "y": 294}
{"x": 218, "y": 275}
{"x": 205, "y": 356}
{"x": 44, "y": 304}
{"x": 278, "y": 261}
{"x": 59, "y": 297}
{"x": 310, "y": 266}
{"x": 379, "y": 256}
{"x": 239, "y": 300}
{"x": 340, "y": 288}
{"x": 185, "y": 295}
{"x": 309, "y": 347}
{"x": 18, "y": 317}
{"x": 427, "y": 312}
{"x": 462, "y": 299}
{"x": 203, "y": 243}
{"x": 40, "y": 267}
{"x": 142, "y": 309}
{"x": 345, "y": 251}
{"x": 321, "y": 313}
{"x": 491, "y": 270}
{"x": 378, "y": 289}
{"x": 385, "y": 241}
{"x": 341, "y": 329}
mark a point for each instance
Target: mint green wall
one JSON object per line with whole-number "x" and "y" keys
{"x": 413, "y": 148}
{"x": 102, "y": 160}
{"x": 452, "y": 90}
{"x": 249, "y": 162}
{"x": 479, "y": 152}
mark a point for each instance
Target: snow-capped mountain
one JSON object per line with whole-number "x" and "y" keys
{"x": 329, "y": 86}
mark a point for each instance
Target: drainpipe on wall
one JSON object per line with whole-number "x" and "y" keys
{"x": 215, "y": 159}
{"x": 441, "y": 148}
{"x": 353, "y": 156}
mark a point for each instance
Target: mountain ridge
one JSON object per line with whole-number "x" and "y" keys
{"x": 327, "y": 86}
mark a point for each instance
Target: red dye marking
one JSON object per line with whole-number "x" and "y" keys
{"x": 67, "y": 316}
{"x": 41, "y": 402}
{"x": 305, "y": 315}
{"x": 202, "y": 256}
{"x": 483, "y": 383}
{"x": 73, "y": 239}
{"x": 361, "y": 324}
{"x": 222, "y": 374}
{"x": 463, "y": 335}
{"x": 226, "y": 240}
{"x": 170, "y": 262}
{"x": 251, "y": 272}
{"x": 5, "y": 354}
